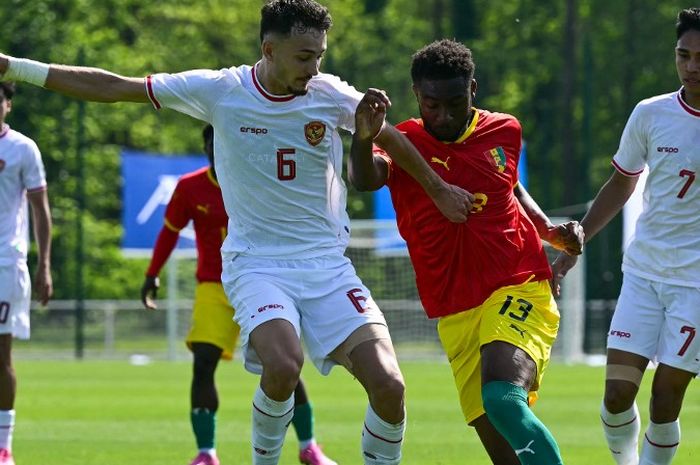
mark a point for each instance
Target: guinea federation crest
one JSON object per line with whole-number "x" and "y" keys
{"x": 2, "y": 165}
{"x": 497, "y": 156}
{"x": 314, "y": 132}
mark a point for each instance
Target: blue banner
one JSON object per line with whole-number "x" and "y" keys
{"x": 149, "y": 181}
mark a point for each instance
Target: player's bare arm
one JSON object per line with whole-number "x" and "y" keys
{"x": 567, "y": 237}
{"x": 41, "y": 217}
{"x": 366, "y": 171}
{"x": 369, "y": 172}
{"x": 91, "y": 84}
{"x": 608, "y": 203}
{"x": 452, "y": 201}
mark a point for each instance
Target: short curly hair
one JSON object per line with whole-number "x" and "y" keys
{"x": 687, "y": 19}
{"x": 280, "y": 16}
{"x": 443, "y": 59}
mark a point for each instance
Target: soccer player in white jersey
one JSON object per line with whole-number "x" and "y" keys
{"x": 279, "y": 164}
{"x": 657, "y": 315}
{"x": 21, "y": 178}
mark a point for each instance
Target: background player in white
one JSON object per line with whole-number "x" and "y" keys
{"x": 279, "y": 165}
{"x": 658, "y": 312}
{"x": 21, "y": 177}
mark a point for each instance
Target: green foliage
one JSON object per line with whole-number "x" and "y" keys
{"x": 623, "y": 52}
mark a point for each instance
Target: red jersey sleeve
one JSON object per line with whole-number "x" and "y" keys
{"x": 178, "y": 212}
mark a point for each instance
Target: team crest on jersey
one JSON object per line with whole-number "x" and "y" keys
{"x": 2, "y": 165}
{"x": 314, "y": 132}
{"x": 497, "y": 157}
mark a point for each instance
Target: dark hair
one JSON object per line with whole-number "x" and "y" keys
{"x": 443, "y": 59}
{"x": 208, "y": 133}
{"x": 280, "y": 16}
{"x": 8, "y": 89}
{"x": 687, "y": 19}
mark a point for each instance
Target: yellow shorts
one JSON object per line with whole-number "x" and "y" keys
{"x": 524, "y": 315}
{"x": 212, "y": 319}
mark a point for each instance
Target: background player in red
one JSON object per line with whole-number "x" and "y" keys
{"x": 213, "y": 334}
{"x": 486, "y": 279}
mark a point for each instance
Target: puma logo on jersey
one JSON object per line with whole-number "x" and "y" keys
{"x": 440, "y": 162}
{"x": 525, "y": 449}
{"x": 521, "y": 331}
{"x": 203, "y": 208}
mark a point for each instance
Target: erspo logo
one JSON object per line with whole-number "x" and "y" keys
{"x": 622, "y": 334}
{"x": 267, "y": 307}
{"x": 667, "y": 149}
{"x": 254, "y": 131}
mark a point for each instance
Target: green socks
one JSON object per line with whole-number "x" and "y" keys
{"x": 303, "y": 422}
{"x": 204, "y": 427}
{"x": 507, "y": 409}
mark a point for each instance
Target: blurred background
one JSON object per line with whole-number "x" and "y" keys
{"x": 570, "y": 70}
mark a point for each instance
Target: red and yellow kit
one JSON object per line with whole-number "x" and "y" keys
{"x": 197, "y": 197}
{"x": 459, "y": 265}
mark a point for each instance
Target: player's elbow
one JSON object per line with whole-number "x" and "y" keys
{"x": 365, "y": 183}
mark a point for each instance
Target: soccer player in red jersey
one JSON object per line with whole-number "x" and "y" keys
{"x": 213, "y": 333}
{"x": 487, "y": 280}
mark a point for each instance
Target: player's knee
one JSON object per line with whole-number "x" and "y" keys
{"x": 284, "y": 373}
{"x": 619, "y": 395}
{"x": 390, "y": 391}
{"x": 501, "y": 400}
{"x": 666, "y": 402}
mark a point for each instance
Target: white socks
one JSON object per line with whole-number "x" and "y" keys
{"x": 622, "y": 432}
{"x": 7, "y": 425}
{"x": 660, "y": 443}
{"x": 381, "y": 441}
{"x": 270, "y": 422}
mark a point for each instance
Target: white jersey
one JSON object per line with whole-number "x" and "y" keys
{"x": 21, "y": 170}
{"x": 279, "y": 159}
{"x": 663, "y": 132}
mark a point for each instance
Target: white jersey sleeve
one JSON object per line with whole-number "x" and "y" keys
{"x": 346, "y": 97}
{"x": 33, "y": 175}
{"x": 631, "y": 156}
{"x": 195, "y": 93}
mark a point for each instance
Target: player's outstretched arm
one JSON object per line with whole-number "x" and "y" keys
{"x": 41, "y": 220}
{"x": 567, "y": 237}
{"x": 608, "y": 203}
{"x": 92, "y": 84}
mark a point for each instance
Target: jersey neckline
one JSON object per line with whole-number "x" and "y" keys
{"x": 684, "y": 105}
{"x": 4, "y": 130}
{"x": 265, "y": 93}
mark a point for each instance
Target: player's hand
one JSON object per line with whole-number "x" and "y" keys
{"x": 149, "y": 291}
{"x": 43, "y": 284}
{"x": 566, "y": 237}
{"x": 370, "y": 114}
{"x": 561, "y": 265}
{"x": 453, "y": 202}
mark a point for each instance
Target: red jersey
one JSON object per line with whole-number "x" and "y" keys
{"x": 197, "y": 197}
{"x": 458, "y": 265}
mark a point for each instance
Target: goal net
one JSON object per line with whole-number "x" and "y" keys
{"x": 381, "y": 260}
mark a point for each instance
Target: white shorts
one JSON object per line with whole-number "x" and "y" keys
{"x": 321, "y": 297}
{"x": 658, "y": 321}
{"x": 15, "y": 297}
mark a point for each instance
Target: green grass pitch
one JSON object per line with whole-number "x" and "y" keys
{"x": 112, "y": 413}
